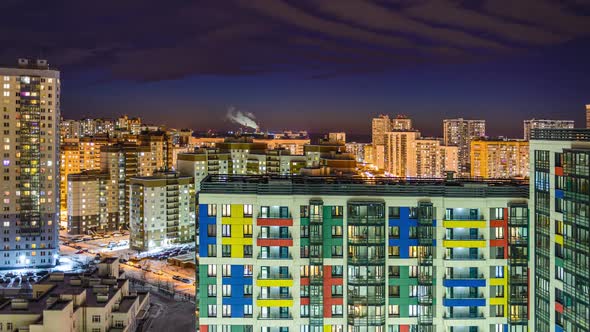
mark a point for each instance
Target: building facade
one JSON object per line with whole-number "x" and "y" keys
{"x": 121, "y": 162}
{"x": 460, "y": 132}
{"x": 162, "y": 211}
{"x": 560, "y": 204}
{"x": 30, "y": 107}
{"x": 434, "y": 160}
{"x": 327, "y": 254}
{"x": 528, "y": 125}
{"x": 499, "y": 159}
{"x": 89, "y": 209}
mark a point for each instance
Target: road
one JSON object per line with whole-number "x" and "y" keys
{"x": 180, "y": 316}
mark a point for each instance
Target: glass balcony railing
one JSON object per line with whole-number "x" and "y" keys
{"x": 478, "y": 315}
{"x": 275, "y": 297}
{"x": 274, "y": 256}
{"x": 463, "y": 276}
{"x": 276, "y": 316}
{"x": 276, "y": 276}
{"x": 463, "y": 257}
{"x": 464, "y": 217}
{"x": 465, "y": 237}
{"x": 464, "y": 296}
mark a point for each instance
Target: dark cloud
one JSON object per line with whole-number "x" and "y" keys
{"x": 150, "y": 41}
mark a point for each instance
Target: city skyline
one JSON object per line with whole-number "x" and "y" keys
{"x": 336, "y": 63}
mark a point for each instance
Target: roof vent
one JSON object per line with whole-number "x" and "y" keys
{"x": 19, "y": 304}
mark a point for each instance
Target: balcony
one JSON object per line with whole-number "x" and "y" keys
{"x": 464, "y": 223}
{"x": 276, "y": 276}
{"x": 274, "y": 220}
{"x": 366, "y": 260}
{"x": 363, "y": 280}
{"x": 478, "y": 315}
{"x": 277, "y": 301}
{"x": 366, "y": 240}
{"x": 275, "y": 297}
{"x": 274, "y": 256}
{"x": 464, "y": 242}
{"x": 276, "y": 316}
{"x": 464, "y": 280}
{"x": 275, "y": 241}
{"x": 479, "y": 301}
{"x": 275, "y": 280}
{"x": 373, "y": 300}
{"x": 365, "y": 320}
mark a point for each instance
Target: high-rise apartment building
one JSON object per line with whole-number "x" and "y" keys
{"x": 588, "y": 116}
{"x": 433, "y": 160}
{"x": 162, "y": 211}
{"x": 69, "y": 164}
{"x": 379, "y": 126}
{"x": 308, "y": 254}
{"x": 409, "y": 155}
{"x": 560, "y": 203}
{"x": 129, "y": 125}
{"x": 401, "y": 122}
{"x": 89, "y": 208}
{"x": 528, "y": 125}
{"x": 121, "y": 162}
{"x": 460, "y": 132}
{"x": 499, "y": 158}
{"x": 400, "y": 151}
{"x": 339, "y": 138}
{"x": 358, "y": 150}
{"x": 30, "y": 107}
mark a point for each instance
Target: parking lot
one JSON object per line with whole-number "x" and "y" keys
{"x": 150, "y": 267}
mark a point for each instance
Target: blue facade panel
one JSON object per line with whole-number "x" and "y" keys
{"x": 237, "y": 282}
{"x": 464, "y": 302}
{"x": 559, "y": 193}
{"x": 204, "y": 222}
{"x": 464, "y": 282}
{"x": 404, "y": 223}
{"x": 558, "y": 328}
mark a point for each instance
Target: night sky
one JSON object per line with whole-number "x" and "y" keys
{"x": 315, "y": 65}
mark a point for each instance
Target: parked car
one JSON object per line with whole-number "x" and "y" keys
{"x": 78, "y": 247}
{"x": 158, "y": 272}
{"x": 79, "y": 252}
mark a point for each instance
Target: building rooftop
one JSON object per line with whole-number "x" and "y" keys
{"x": 573, "y": 134}
{"x": 362, "y": 186}
{"x": 56, "y": 290}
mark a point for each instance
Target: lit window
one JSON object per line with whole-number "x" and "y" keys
{"x": 6, "y": 86}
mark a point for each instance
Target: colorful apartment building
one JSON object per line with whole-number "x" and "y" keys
{"x": 335, "y": 254}
{"x": 560, "y": 201}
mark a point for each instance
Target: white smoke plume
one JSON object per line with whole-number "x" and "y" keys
{"x": 245, "y": 119}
